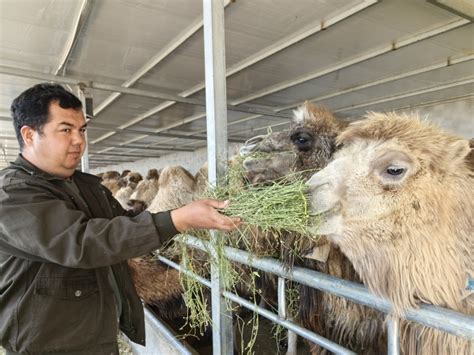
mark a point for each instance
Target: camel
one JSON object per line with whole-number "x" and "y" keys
{"x": 129, "y": 183}
{"x": 147, "y": 189}
{"x": 156, "y": 283}
{"x": 111, "y": 180}
{"x": 176, "y": 189}
{"x": 308, "y": 146}
{"x": 398, "y": 200}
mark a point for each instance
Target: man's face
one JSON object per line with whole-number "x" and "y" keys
{"x": 59, "y": 148}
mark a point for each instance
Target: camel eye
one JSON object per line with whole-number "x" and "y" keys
{"x": 302, "y": 140}
{"x": 395, "y": 170}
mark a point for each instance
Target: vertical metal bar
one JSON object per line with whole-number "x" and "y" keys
{"x": 216, "y": 112}
{"x": 85, "y": 157}
{"x": 282, "y": 313}
{"x": 393, "y": 334}
{"x": 216, "y": 93}
{"x": 281, "y": 298}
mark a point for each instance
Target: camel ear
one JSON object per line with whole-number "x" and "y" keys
{"x": 301, "y": 114}
{"x": 458, "y": 152}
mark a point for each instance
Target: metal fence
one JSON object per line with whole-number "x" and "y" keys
{"x": 436, "y": 317}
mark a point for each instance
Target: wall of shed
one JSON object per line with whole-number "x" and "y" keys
{"x": 456, "y": 117}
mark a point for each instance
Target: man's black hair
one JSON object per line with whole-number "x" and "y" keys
{"x": 31, "y": 107}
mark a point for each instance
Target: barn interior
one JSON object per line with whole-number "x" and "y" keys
{"x": 351, "y": 56}
{"x": 140, "y": 66}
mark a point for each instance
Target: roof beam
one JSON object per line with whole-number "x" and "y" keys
{"x": 144, "y": 147}
{"x": 439, "y": 65}
{"x": 450, "y": 61}
{"x": 375, "y": 52}
{"x": 154, "y": 61}
{"x": 81, "y": 20}
{"x": 102, "y": 126}
{"x": 425, "y": 90}
{"x": 123, "y": 155}
{"x": 137, "y": 92}
{"x": 392, "y": 98}
{"x": 307, "y": 31}
{"x": 366, "y": 56}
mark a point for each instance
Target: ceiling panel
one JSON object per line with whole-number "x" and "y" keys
{"x": 276, "y": 53}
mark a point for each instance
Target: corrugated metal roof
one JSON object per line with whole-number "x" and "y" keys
{"x": 352, "y": 56}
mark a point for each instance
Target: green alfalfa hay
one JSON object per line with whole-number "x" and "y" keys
{"x": 273, "y": 209}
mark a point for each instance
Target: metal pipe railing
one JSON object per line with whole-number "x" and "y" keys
{"x": 291, "y": 326}
{"x": 393, "y": 336}
{"x": 443, "y": 319}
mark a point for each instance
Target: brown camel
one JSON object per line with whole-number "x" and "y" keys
{"x": 308, "y": 146}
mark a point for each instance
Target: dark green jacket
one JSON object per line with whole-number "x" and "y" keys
{"x": 55, "y": 253}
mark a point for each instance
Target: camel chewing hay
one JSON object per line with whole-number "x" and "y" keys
{"x": 398, "y": 200}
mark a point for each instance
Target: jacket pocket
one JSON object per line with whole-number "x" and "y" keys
{"x": 65, "y": 313}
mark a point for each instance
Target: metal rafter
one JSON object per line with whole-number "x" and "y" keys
{"x": 438, "y": 65}
{"x": 422, "y": 35}
{"x": 307, "y": 31}
{"x": 387, "y": 48}
{"x": 81, "y": 20}
{"x": 102, "y": 126}
{"x": 143, "y": 147}
{"x": 384, "y": 99}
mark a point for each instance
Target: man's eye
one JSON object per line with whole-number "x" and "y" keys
{"x": 83, "y": 130}
{"x": 67, "y": 130}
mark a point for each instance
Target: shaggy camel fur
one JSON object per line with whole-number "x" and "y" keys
{"x": 176, "y": 189}
{"x": 398, "y": 199}
{"x": 147, "y": 189}
{"x": 308, "y": 146}
{"x": 155, "y": 283}
{"x": 130, "y": 182}
{"x": 111, "y": 180}
{"x": 158, "y": 285}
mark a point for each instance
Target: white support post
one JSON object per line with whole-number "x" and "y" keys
{"x": 83, "y": 96}
{"x": 216, "y": 111}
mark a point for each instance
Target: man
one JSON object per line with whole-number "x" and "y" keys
{"x": 64, "y": 240}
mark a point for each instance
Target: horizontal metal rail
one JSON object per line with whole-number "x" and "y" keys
{"x": 315, "y": 338}
{"x": 439, "y": 318}
{"x": 166, "y": 333}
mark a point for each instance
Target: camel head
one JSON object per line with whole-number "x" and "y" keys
{"x": 398, "y": 200}
{"x": 308, "y": 144}
{"x": 133, "y": 178}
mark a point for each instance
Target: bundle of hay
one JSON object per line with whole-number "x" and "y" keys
{"x": 267, "y": 211}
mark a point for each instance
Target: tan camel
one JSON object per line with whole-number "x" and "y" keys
{"x": 398, "y": 199}
{"x": 176, "y": 189}
{"x": 147, "y": 189}
{"x": 111, "y": 180}
{"x": 129, "y": 182}
{"x": 308, "y": 146}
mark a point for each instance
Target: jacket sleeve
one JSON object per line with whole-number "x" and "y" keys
{"x": 36, "y": 225}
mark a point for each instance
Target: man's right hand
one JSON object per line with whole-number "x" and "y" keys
{"x": 202, "y": 214}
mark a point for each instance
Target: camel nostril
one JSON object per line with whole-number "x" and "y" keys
{"x": 251, "y": 145}
{"x": 254, "y": 140}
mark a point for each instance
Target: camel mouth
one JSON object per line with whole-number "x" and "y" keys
{"x": 326, "y": 222}
{"x": 318, "y": 212}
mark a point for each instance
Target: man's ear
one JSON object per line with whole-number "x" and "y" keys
{"x": 27, "y": 134}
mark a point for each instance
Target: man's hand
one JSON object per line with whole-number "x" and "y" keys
{"x": 202, "y": 214}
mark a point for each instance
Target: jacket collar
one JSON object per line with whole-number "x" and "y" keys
{"x": 33, "y": 170}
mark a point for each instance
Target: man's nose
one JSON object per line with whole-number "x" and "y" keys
{"x": 78, "y": 138}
